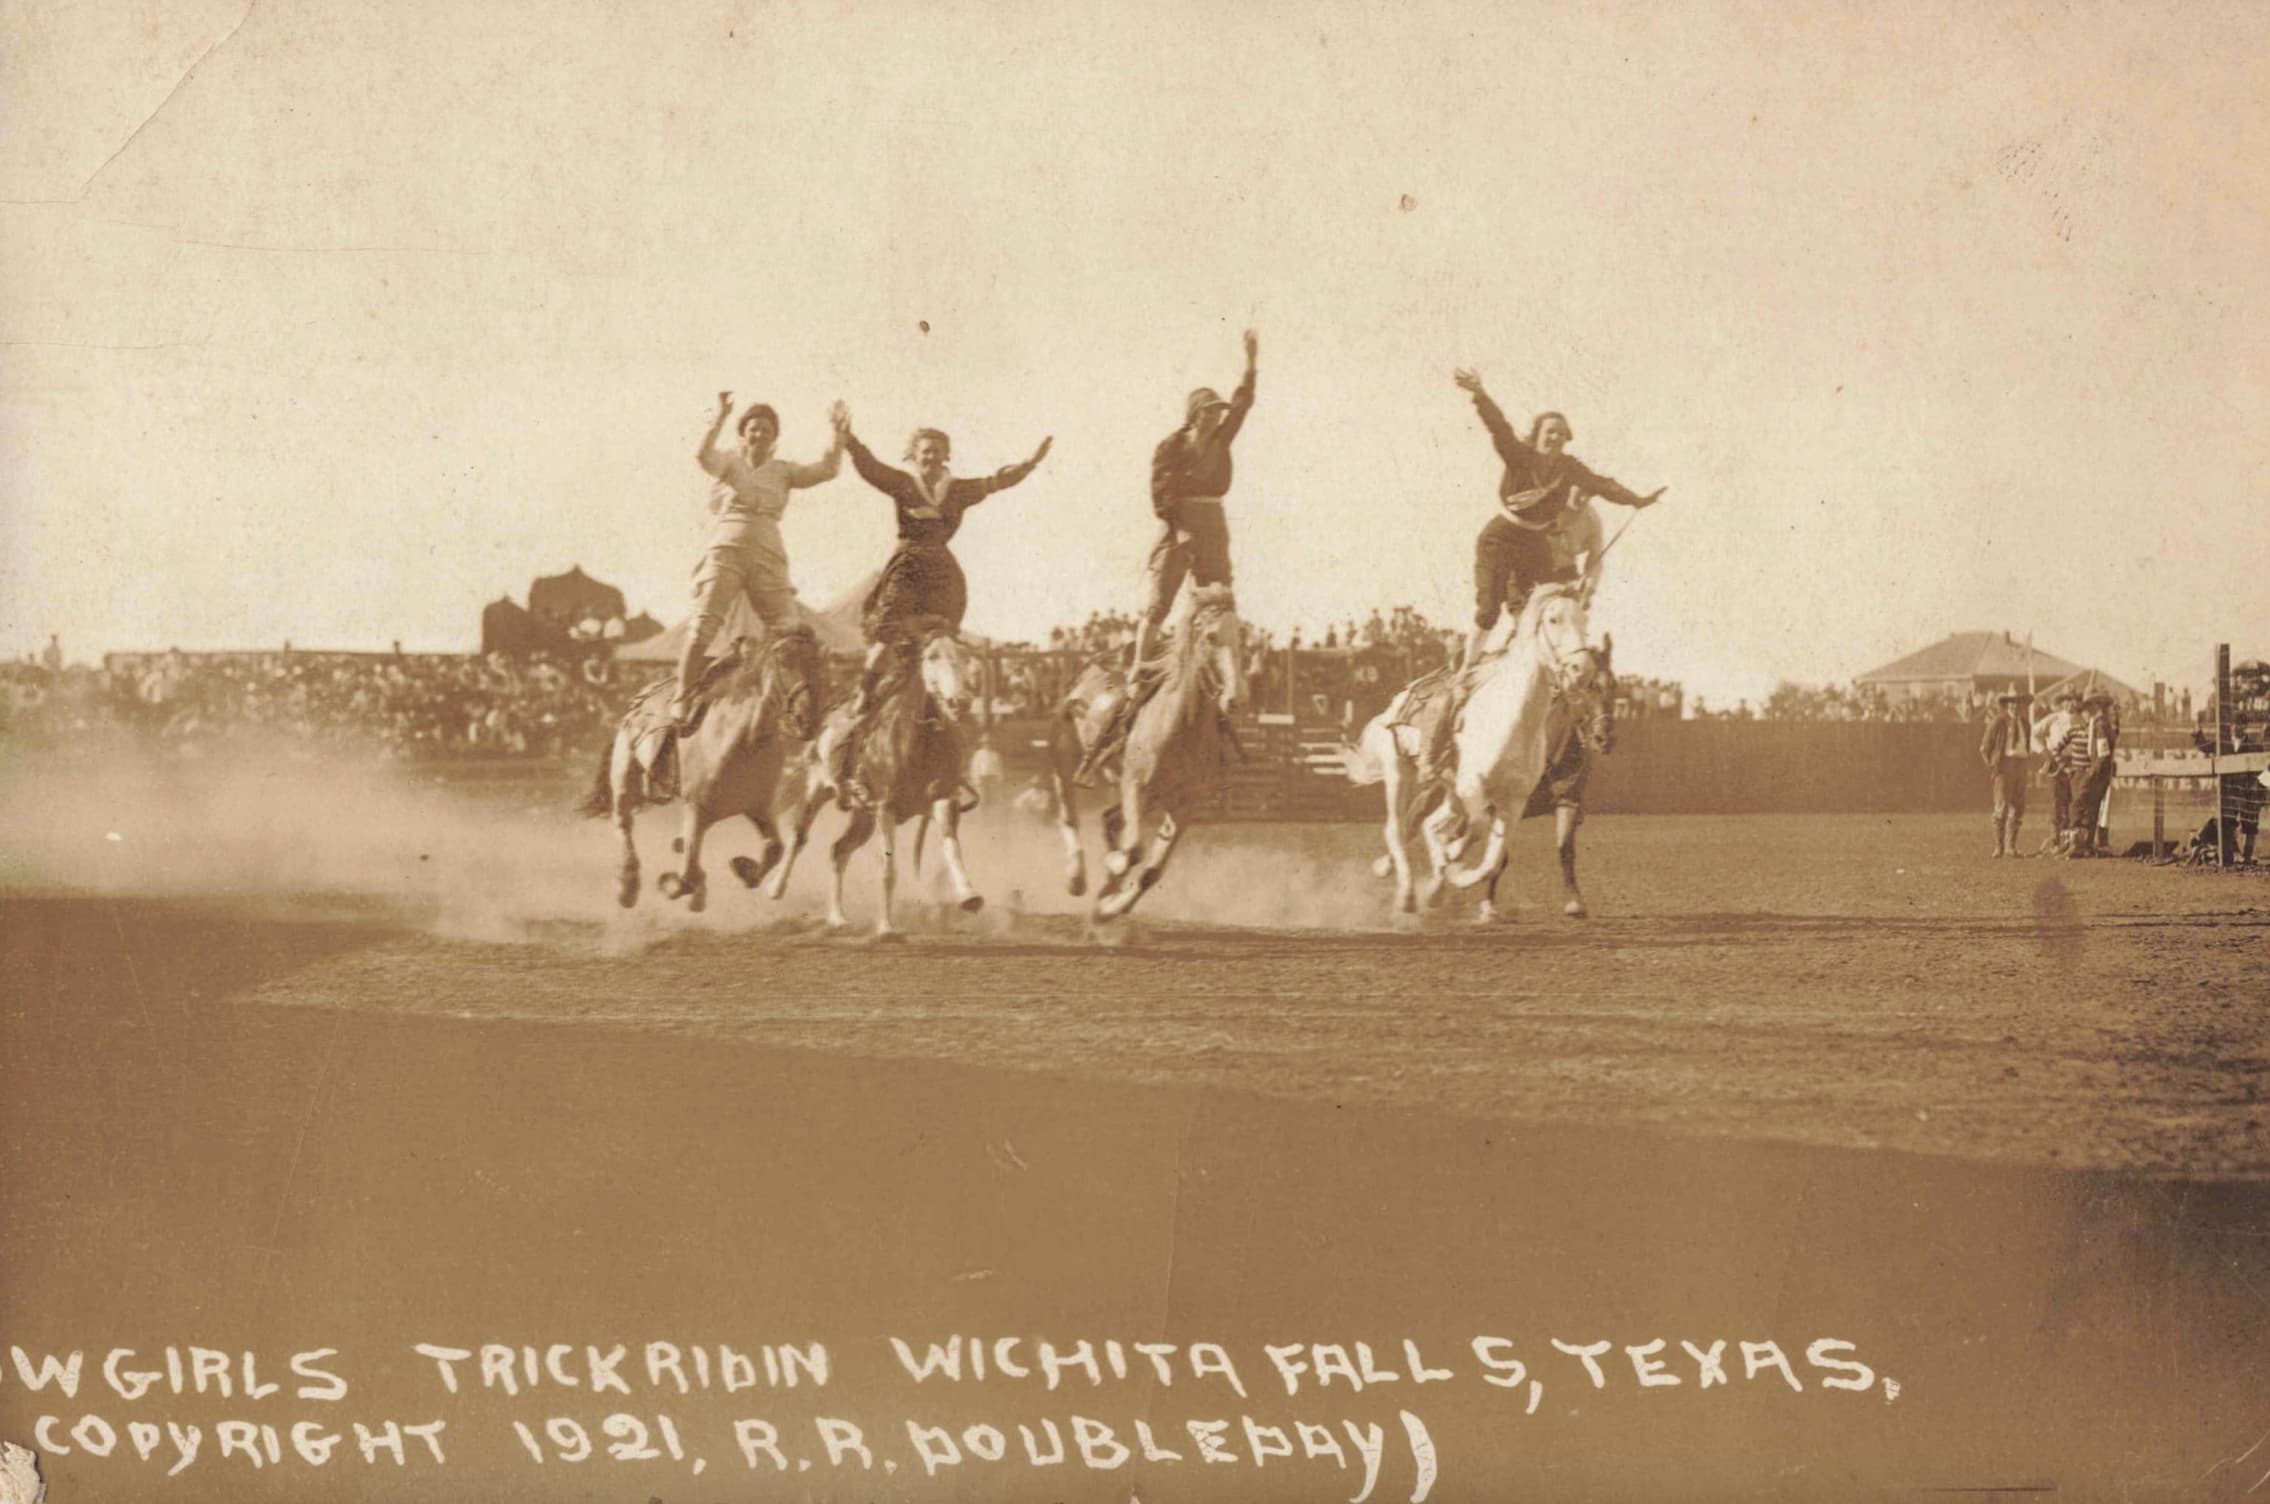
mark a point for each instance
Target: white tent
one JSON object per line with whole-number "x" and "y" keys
{"x": 837, "y": 626}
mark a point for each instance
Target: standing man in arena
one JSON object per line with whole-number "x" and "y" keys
{"x": 746, "y": 555}
{"x": 1190, "y": 475}
{"x": 2090, "y": 747}
{"x": 2051, "y": 733}
{"x": 2004, "y": 750}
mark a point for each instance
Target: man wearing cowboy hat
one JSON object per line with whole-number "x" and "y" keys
{"x": 2052, "y": 735}
{"x": 2004, "y": 750}
{"x": 1543, "y": 519}
{"x": 1190, "y": 474}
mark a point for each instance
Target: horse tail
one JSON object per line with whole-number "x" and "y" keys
{"x": 1363, "y": 763}
{"x": 599, "y": 802}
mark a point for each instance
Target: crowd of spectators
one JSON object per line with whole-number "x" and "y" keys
{"x": 542, "y": 704}
{"x": 401, "y": 705}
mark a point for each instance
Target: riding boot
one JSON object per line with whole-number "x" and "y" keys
{"x": 2015, "y": 822}
{"x": 848, "y": 784}
{"x": 2001, "y": 837}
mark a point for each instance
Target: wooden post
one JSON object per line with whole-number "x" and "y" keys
{"x": 2223, "y": 739}
{"x": 2159, "y": 815}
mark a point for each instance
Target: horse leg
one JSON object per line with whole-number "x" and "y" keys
{"x": 692, "y": 884}
{"x": 856, "y": 830}
{"x": 1114, "y": 830}
{"x": 1565, "y": 822}
{"x": 628, "y": 784}
{"x": 1487, "y": 872}
{"x": 1154, "y": 867}
{"x": 888, "y": 827}
{"x": 949, "y": 816}
{"x": 1123, "y": 853}
{"x": 802, "y": 831}
{"x": 1434, "y": 828}
{"x": 1068, "y": 826}
{"x": 752, "y": 872}
{"x": 1400, "y": 799}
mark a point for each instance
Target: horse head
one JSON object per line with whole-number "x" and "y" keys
{"x": 1554, "y": 622}
{"x": 1215, "y": 641}
{"x": 949, "y": 672}
{"x": 796, "y": 671}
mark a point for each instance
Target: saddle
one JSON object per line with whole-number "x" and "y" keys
{"x": 1427, "y": 728}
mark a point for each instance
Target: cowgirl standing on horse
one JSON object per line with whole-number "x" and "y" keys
{"x": 1191, "y": 472}
{"x": 922, "y": 579}
{"x": 1544, "y": 527}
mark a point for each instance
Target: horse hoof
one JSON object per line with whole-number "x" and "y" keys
{"x": 746, "y": 869}
{"x": 1382, "y": 866}
{"x": 697, "y": 897}
{"x": 678, "y": 844}
{"x": 1575, "y": 909}
{"x": 973, "y": 903}
{"x": 1078, "y": 885}
{"x": 890, "y": 937}
{"x": 1407, "y": 904}
{"x": 1489, "y": 914}
{"x": 670, "y": 885}
{"x": 626, "y": 893}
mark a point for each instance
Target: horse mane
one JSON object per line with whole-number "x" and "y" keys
{"x": 753, "y": 666}
{"x": 1533, "y": 609}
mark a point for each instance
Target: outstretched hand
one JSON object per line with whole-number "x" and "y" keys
{"x": 724, "y": 403}
{"x": 1654, "y": 496}
{"x": 1468, "y": 380}
{"x": 1252, "y": 347}
{"x": 840, "y": 417}
{"x": 1042, "y": 452}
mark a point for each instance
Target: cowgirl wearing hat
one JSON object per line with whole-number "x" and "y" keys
{"x": 1190, "y": 474}
{"x": 1543, "y": 521}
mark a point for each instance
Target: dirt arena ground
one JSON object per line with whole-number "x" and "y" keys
{"x": 297, "y": 1062}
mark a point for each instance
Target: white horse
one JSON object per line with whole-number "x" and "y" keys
{"x": 1503, "y": 746}
{"x": 909, "y": 758}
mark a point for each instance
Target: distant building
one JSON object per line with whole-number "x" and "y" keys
{"x": 1980, "y": 665}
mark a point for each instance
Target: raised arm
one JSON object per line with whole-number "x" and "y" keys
{"x": 1008, "y": 475}
{"x": 1509, "y": 445}
{"x": 1241, "y": 400}
{"x": 896, "y": 484}
{"x": 707, "y": 454}
{"x": 826, "y": 467}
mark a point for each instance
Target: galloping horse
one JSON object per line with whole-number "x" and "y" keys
{"x": 760, "y": 703}
{"x": 909, "y": 759}
{"x": 1541, "y": 705}
{"x": 1173, "y": 754}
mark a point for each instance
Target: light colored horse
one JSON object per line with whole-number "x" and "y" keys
{"x": 909, "y": 758}
{"x": 1504, "y": 745}
{"x": 760, "y": 705}
{"x": 1172, "y": 757}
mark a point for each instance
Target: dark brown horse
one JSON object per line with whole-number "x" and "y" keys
{"x": 909, "y": 758}
{"x": 761, "y": 703}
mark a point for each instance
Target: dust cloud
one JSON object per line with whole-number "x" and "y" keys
{"x": 510, "y": 860}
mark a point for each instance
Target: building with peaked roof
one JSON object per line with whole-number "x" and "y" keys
{"x": 1980, "y": 663}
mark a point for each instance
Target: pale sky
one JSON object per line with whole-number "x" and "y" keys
{"x": 333, "y": 322}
